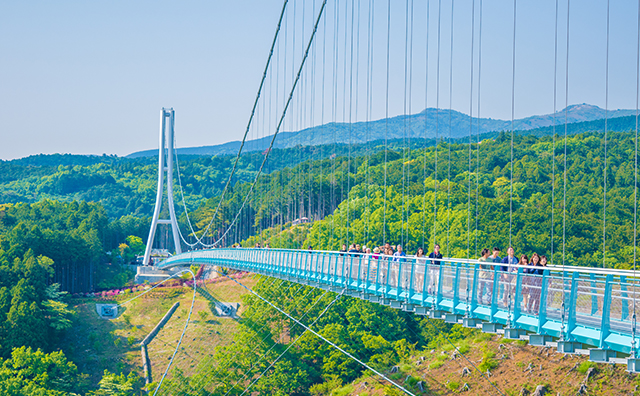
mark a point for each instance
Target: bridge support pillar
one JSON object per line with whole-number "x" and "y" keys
{"x": 633, "y": 365}
{"x": 406, "y": 307}
{"x": 601, "y": 355}
{"x": 452, "y": 318}
{"x": 568, "y": 346}
{"x": 513, "y": 333}
{"x": 393, "y": 303}
{"x": 491, "y": 327}
{"x": 384, "y": 301}
{"x": 366, "y": 296}
{"x": 352, "y": 293}
{"x": 471, "y": 322}
{"x": 421, "y": 311}
{"x": 373, "y": 298}
{"x": 539, "y": 339}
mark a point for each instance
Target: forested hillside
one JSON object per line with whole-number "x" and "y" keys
{"x": 406, "y": 215}
{"x": 391, "y": 198}
{"x": 126, "y": 186}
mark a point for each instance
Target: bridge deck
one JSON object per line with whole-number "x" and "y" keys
{"x": 599, "y": 304}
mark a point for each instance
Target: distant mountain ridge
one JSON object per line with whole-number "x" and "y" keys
{"x": 430, "y": 123}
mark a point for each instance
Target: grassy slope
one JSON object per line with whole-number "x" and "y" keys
{"x": 96, "y": 344}
{"x": 514, "y": 366}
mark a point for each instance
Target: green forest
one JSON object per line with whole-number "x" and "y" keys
{"x": 404, "y": 211}
{"x": 68, "y": 223}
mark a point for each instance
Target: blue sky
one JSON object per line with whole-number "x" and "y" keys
{"x": 90, "y": 77}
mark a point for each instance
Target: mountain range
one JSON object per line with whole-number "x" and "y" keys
{"x": 430, "y": 123}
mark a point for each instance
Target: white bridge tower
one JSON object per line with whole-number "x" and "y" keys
{"x": 165, "y": 166}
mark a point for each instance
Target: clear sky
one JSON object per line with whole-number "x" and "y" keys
{"x": 90, "y": 77}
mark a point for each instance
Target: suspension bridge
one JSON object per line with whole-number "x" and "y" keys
{"x": 586, "y": 310}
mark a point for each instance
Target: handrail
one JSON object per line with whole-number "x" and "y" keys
{"x": 598, "y": 301}
{"x": 559, "y": 268}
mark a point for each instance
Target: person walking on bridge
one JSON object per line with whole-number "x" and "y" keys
{"x": 533, "y": 305}
{"x": 507, "y": 273}
{"x": 486, "y": 277}
{"x": 397, "y": 256}
{"x": 494, "y": 258}
{"x": 434, "y": 268}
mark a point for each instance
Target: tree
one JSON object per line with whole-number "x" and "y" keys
{"x": 118, "y": 385}
{"x": 30, "y": 372}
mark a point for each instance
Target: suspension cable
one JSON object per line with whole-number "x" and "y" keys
{"x": 253, "y": 110}
{"x": 184, "y": 329}
{"x": 290, "y": 345}
{"x": 635, "y": 197}
{"x": 478, "y": 124}
{"x": 370, "y": 47}
{"x": 473, "y": 21}
{"x": 426, "y": 118}
{"x": 564, "y": 183}
{"x": 410, "y": 117}
{"x": 606, "y": 118}
{"x": 449, "y": 138}
{"x": 264, "y": 355}
{"x": 321, "y": 200}
{"x": 473, "y": 24}
{"x": 404, "y": 118}
{"x": 513, "y": 89}
{"x": 284, "y": 112}
{"x": 344, "y": 119}
{"x": 400, "y": 387}
{"x": 350, "y": 113}
{"x": 553, "y": 146}
{"x": 513, "y": 85}
{"x": 184, "y": 204}
{"x": 435, "y": 172}
{"x": 269, "y": 288}
{"x": 334, "y": 96}
{"x": 386, "y": 129}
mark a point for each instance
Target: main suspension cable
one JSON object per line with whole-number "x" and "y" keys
{"x": 349, "y": 355}
{"x": 284, "y": 112}
{"x": 253, "y": 110}
{"x": 291, "y": 344}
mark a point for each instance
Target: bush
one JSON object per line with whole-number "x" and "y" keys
{"x": 488, "y": 362}
{"x": 453, "y": 385}
{"x": 585, "y": 366}
{"x": 436, "y": 365}
{"x": 464, "y": 348}
{"x": 131, "y": 340}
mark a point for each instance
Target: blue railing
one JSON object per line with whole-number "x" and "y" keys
{"x": 598, "y": 310}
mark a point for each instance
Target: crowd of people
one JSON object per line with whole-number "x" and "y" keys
{"x": 492, "y": 268}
